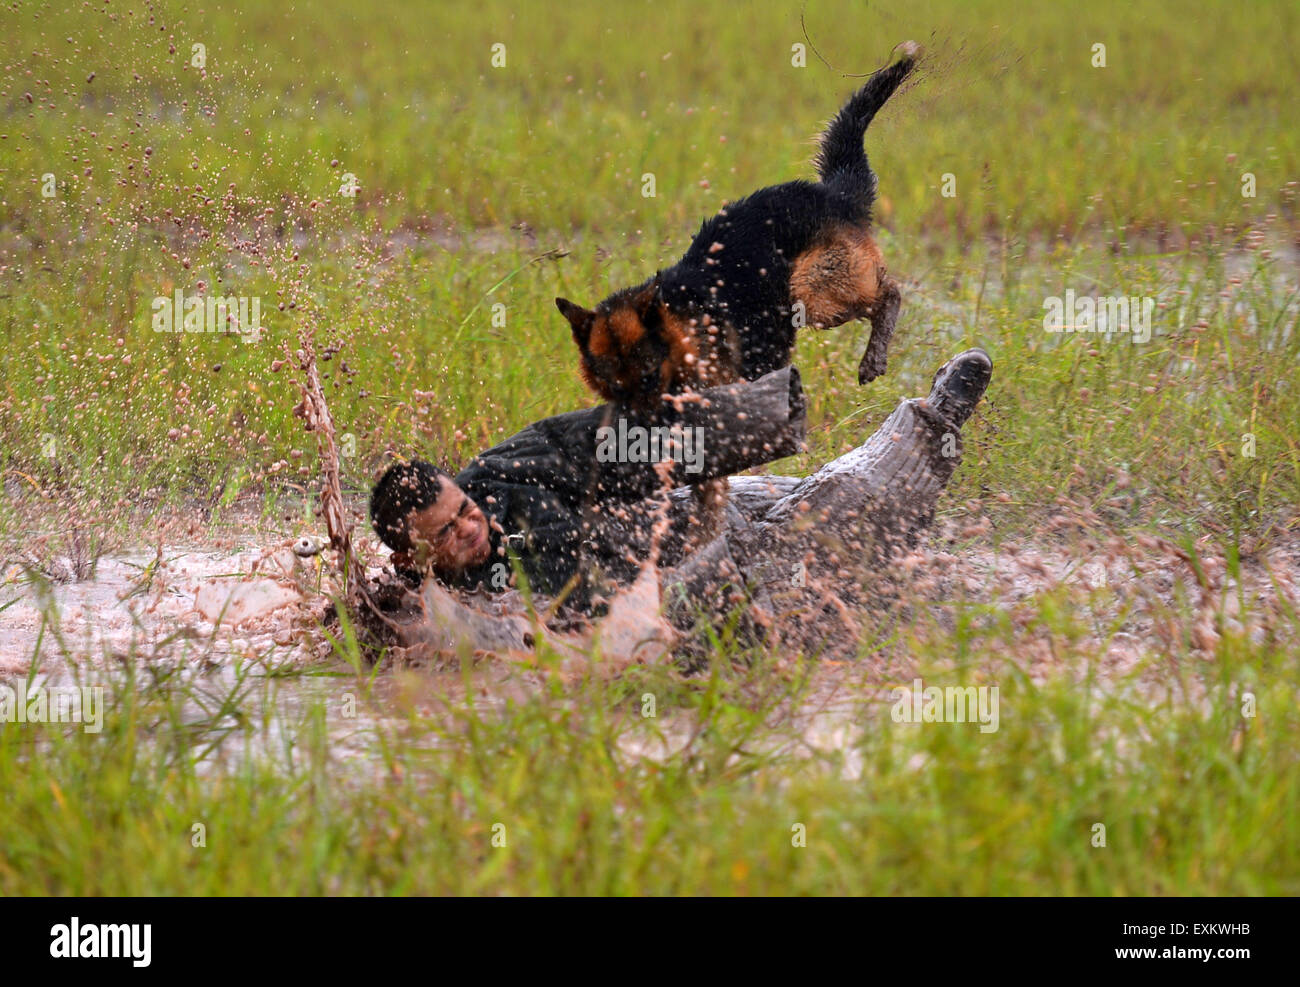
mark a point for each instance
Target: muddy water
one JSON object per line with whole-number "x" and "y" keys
{"x": 176, "y": 613}
{"x": 142, "y": 604}
{"x": 210, "y": 623}
{"x": 244, "y": 621}
{"x": 216, "y": 624}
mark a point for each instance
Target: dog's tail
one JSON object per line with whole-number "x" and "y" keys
{"x": 842, "y": 160}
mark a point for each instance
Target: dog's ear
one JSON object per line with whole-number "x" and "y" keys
{"x": 579, "y": 318}
{"x": 644, "y": 299}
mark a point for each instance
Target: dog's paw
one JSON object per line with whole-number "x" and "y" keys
{"x": 871, "y": 367}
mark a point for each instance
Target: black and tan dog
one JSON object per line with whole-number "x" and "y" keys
{"x": 795, "y": 254}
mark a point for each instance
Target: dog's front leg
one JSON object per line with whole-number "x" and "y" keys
{"x": 884, "y": 317}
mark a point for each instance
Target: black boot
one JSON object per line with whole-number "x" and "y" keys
{"x": 959, "y": 384}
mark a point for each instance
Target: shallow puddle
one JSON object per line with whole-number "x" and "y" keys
{"x": 238, "y": 629}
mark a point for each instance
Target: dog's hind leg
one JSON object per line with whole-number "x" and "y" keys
{"x": 884, "y": 317}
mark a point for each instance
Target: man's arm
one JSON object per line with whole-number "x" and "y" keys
{"x": 603, "y": 454}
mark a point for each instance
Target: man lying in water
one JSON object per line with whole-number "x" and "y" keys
{"x": 864, "y": 505}
{"x": 573, "y": 498}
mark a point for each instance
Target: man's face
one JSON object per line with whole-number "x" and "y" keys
{"x": 451, "y": 533}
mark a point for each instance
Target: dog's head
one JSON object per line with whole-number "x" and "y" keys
{"x": 633, "y": 350}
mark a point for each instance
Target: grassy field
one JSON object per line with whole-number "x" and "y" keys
{"x": 482, "y": 191}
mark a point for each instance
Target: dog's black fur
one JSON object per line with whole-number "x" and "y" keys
{"x": 727, "y": 309}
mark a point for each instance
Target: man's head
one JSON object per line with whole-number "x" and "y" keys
{"x": 418, "y": 511}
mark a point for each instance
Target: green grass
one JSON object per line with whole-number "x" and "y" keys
{"x": 1054, "y": 160}
{"x": 1194, "y": 800}
{"x": 482, "y": 186}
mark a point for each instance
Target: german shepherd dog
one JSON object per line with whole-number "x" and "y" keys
{"x": 788, "y": 255}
